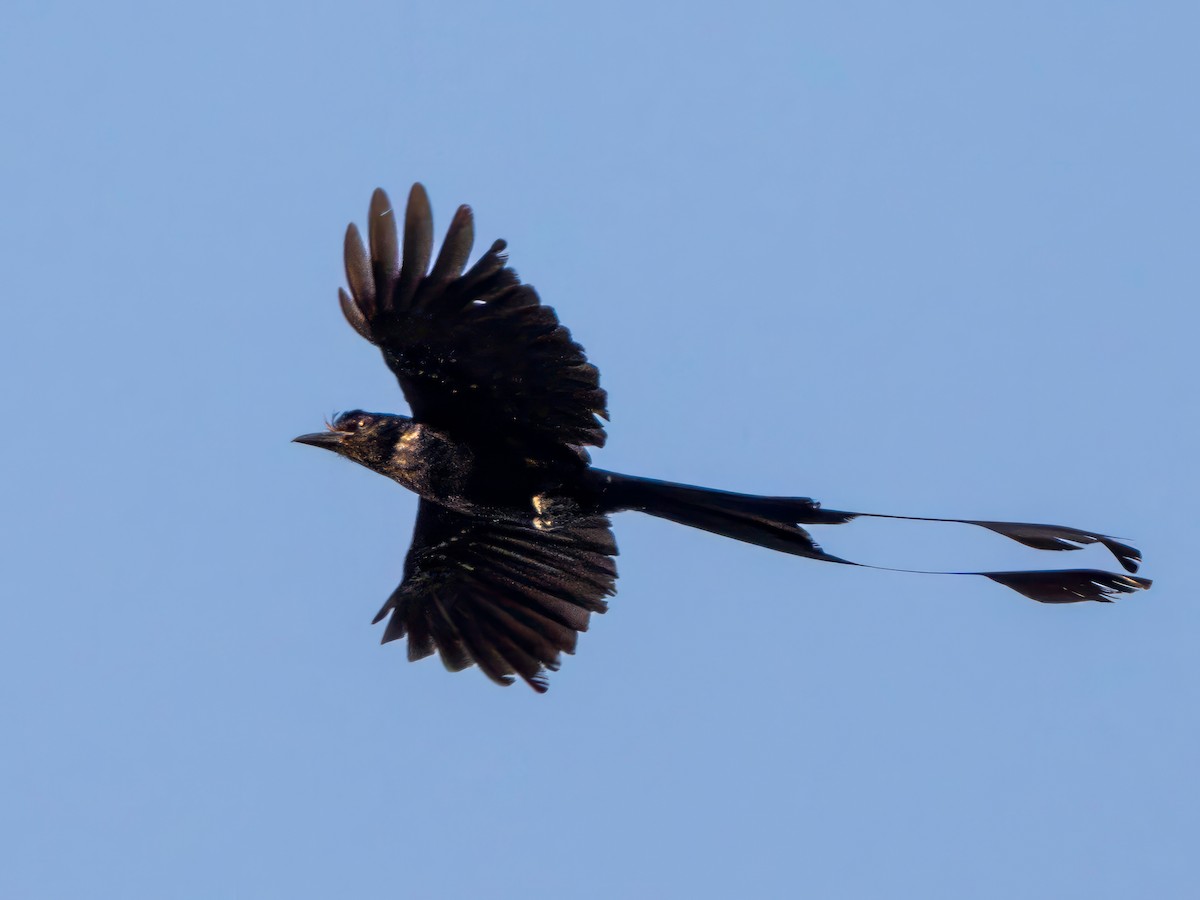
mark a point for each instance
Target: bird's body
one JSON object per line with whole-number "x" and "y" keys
{"x": 513, "y": 546}
{"x": 457, "y": 473}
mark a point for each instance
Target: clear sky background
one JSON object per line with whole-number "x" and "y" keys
{"x": 931, "y": 258}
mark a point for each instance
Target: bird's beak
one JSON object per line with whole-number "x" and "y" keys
{"x": 328, "y": 440}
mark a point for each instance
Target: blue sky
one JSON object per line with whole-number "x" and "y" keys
{"x": 929, "y": 258}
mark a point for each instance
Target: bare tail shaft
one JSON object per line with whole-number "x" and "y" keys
{"x": 775, "y": 522}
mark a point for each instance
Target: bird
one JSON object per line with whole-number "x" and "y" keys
{"x": 513, "y": 549}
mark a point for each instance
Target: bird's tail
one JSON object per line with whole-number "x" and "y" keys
{"x": 775, "y": 522}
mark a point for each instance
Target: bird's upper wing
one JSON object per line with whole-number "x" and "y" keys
{"x": 475, "y": 353}
{"x": 502, "y": 595}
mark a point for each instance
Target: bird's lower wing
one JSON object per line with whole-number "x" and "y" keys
{"x": 501, "y": 595}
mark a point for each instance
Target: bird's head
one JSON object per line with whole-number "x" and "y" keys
{"x": 367, "y": 438}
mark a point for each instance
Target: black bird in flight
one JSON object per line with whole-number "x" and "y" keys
{"x": 513, "y": 548}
